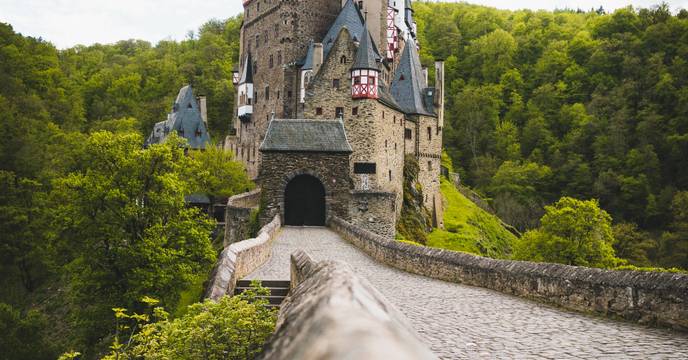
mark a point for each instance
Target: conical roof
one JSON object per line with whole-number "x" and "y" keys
{"x": 408, "y": 82}
{"x": 247, "y": 72}
{"x": 349, "y": 17}
{"x": 365, "y": 56}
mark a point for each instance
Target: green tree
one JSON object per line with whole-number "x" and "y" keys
{"x": 673, "y": 251}
{"x": 123, "y": 226}
{"x": 572, "y": 232}
{"x": 632, "y": 244}
{"x": 215, "y": 173}
{"x": 24, "y": 337}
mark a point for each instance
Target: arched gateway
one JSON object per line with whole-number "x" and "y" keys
{"x": 304, "y": 202}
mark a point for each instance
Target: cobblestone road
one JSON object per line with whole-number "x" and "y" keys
{"x": 464, "y": 322}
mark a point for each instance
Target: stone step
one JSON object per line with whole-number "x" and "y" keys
{"x": 265, "y": 283}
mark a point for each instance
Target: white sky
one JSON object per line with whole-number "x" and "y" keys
{"x": 66, "y": 23}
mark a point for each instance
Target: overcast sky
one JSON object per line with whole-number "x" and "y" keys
{"x": 66, "y": 23}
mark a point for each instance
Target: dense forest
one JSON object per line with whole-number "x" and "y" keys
{"x": 543, "y": 108}
{"x": 590, "y": 105}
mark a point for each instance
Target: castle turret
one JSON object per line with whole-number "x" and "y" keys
{"x": 365, "y": 71}
{"x": 245, "y": 90}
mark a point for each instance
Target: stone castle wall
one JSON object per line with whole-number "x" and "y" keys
{"x": 652, "y": 298}
{"x": 278, "y": 168}
{"x": 374, "y": 211}
{"x": 238, "y": 216}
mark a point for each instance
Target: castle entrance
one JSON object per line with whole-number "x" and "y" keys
{"x": 304, "y": 202}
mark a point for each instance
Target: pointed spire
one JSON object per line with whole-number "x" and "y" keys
{"x": 351, "y": 18}
{"x": 247, "y": 73}
{"x": 408, "y": 83}
{"x": 365, "y": 56}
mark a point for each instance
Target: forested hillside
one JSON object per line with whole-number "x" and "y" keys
{"x": 90, "y": 221}
{"x": 542, "y": 105}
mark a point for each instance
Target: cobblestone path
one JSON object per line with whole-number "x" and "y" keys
{"x": 465, "y": 322}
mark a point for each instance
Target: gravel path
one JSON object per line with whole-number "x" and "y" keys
{"x": 465, "y": 322}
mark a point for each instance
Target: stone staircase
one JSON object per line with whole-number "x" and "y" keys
{"x": 278, "y": 290}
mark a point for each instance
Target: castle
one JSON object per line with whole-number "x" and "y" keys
{"x": 331, "y": 97}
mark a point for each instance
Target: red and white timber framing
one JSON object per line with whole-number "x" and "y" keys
{"x": 392, "y": 34}
{"x": 364, "y": 84}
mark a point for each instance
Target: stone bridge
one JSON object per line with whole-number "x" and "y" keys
{"x": 459, "y": 321}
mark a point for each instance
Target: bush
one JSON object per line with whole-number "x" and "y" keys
{"x": 233, "y": 328}
{"x": 573, "y": 232}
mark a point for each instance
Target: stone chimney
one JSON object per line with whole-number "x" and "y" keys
{"x": 317, "y": 57}
{"x": 439, "y": 91}
{"x": 203, "y": 106}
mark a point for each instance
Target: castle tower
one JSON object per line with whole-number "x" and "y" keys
{"x": 245, "y": 90}
{"x": 365, "y": 71}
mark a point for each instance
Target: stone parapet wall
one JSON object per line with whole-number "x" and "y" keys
{"x": 331, "y": 313}
{"x": 652, "y": 298}
{"x": 240, "y": 259}
{"x": 238, "y": 216}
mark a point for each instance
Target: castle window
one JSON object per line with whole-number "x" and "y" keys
{"x": 271, "y": 62}
{"x": 279, "y": 57}
{"x": 383, "y": 114}
{"x": 339, "y": 112}
{"x": 342, "y": 60}
{"x": 429, "y": 165}
{"x": 265, "y": 37}
{"x": 371, "y": 80}
{"x": 395, "y": 146}
{"x": 408, "y": 134}
{"x": 429, "y": 133}
{"x": 360, "y": 5}
{"x": 354, "y": 110}
{"x": 257, "y": 41}
{"x": 365, "y": 168}
{"x": 385, "y": 144}
{"x": 395, "y": 119}
{"x": 439, "y": 129}
{"x": 390, "y": 175}
{"x": 255, "y": 67}
{"x": 267, "y": 93}
{"x": 289, "y": 94}
{"x": 357, "y": 80}
{"x": 335, "y": 84}
{"x": 190, "y": 106}
{"x": 258, "y": 6}
{"x": 318, "y": 111}
{"x": 278, "y": 94}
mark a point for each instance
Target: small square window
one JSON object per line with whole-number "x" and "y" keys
{"x": 354, "y": 110}
{"x": 335, "y": 84}
{"x": 408, "y": 134}
{"x": 318, "y": 111}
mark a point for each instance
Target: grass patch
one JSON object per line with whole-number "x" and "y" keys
{"x": 469, "y": 228}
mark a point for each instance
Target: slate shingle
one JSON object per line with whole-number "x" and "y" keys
{"x": 304, "y": 135}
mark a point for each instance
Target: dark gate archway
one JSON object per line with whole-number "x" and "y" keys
{"x": 304, "y": 202}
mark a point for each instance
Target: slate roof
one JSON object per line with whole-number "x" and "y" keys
{"x": 247, "y": 73}
{"x": 365, "y": 56}
{"x": 349, "y": 17}
{"x": 302, "y": 135}
{"x": 308, "y": 62}
{"x": 408, "y": 83}
{"x": 185, "y": 119}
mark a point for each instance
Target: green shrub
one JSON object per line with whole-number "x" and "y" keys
{"x": 233, "y": 328}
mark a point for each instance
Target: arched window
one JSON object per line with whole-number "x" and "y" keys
{"x": 342, "y": 60}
